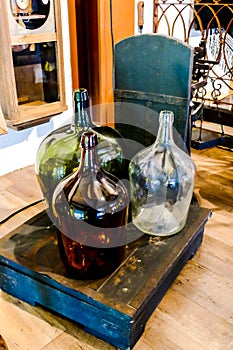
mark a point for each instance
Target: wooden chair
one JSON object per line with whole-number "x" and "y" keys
{"x": 152, "y": 72}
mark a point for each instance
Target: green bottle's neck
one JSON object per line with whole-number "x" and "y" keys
{"x": 81, "y": 117}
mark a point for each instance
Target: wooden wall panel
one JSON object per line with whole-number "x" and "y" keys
{"x": 95, "y": 43}
{"x": 123, "y": 19}
{"x": 121, "y": 27}
{"x": 73, "y": 43}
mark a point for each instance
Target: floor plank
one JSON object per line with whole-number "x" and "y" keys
{"x": 22, "y": 328}
{"x": 197, "y": 311}
{"x": 214, "y": 178}
{"x": 205, "y": 288}
{"x": 189, "y": 325}
{"x": 18, "y": 189}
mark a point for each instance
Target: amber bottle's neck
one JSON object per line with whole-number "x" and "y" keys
{"x": 89, "y": 159}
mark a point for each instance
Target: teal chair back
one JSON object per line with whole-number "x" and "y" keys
{"x": 152, "y": 72}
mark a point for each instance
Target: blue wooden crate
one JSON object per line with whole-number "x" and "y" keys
{"x": 114, "y": 308}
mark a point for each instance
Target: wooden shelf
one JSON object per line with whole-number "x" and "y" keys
{"x": 33, "y": 38}
{"x": 23, "y": 72}
{"x": 29, "y": 17}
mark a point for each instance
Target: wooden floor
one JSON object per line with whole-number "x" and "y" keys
{"x": 197, "y": 311}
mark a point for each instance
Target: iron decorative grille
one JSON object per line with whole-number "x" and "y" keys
{"x": 205, "y": 23}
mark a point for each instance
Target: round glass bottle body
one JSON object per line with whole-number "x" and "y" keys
{"x": 59, "y": 153}
{"x": 90, "y": 208}
{"x": 161, "y": 183}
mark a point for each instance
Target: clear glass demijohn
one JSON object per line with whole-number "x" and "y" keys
{"x": 161, "y": 183}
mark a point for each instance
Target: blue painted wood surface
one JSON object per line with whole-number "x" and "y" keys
{"x": 115, "y": 308}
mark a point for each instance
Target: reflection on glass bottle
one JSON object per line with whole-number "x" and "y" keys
{"x": 90, "y": 209}
{"x": 59, "y": 153}
{"x": 162, "y": 181}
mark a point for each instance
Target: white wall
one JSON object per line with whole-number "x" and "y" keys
{"x": 148, "y": 17}
{"x": 18, "y": 148}
{"x": 171, "y": 13}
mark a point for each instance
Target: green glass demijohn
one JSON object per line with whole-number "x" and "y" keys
{"x": 59, "y": 152}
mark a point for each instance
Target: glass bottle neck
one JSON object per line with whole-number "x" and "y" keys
{"x": 165, "y": 132}
{"x": 89, "y": 159}
{"x": 81, "y": 117}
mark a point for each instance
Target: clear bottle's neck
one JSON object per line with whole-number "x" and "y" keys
{"x": 165, "y": 132}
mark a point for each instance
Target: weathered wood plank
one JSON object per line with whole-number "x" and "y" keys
{"x": 206, "y": 289}
{"x": 214, "y": 180}
{"x": 216, "y": 256}
{"x": 220, "y": 227}
{"x": 23, "y": 330}
{"x": 20, "y": 218}
{"x": 186, "y": 323}
{"x": 18, "y": 189}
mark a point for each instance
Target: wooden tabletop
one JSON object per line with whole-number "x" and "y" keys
{"x": 196, "y": 312}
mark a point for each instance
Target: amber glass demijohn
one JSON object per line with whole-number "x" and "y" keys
{"x": 59, "y": 153}
{"x": 90, "y": 208}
